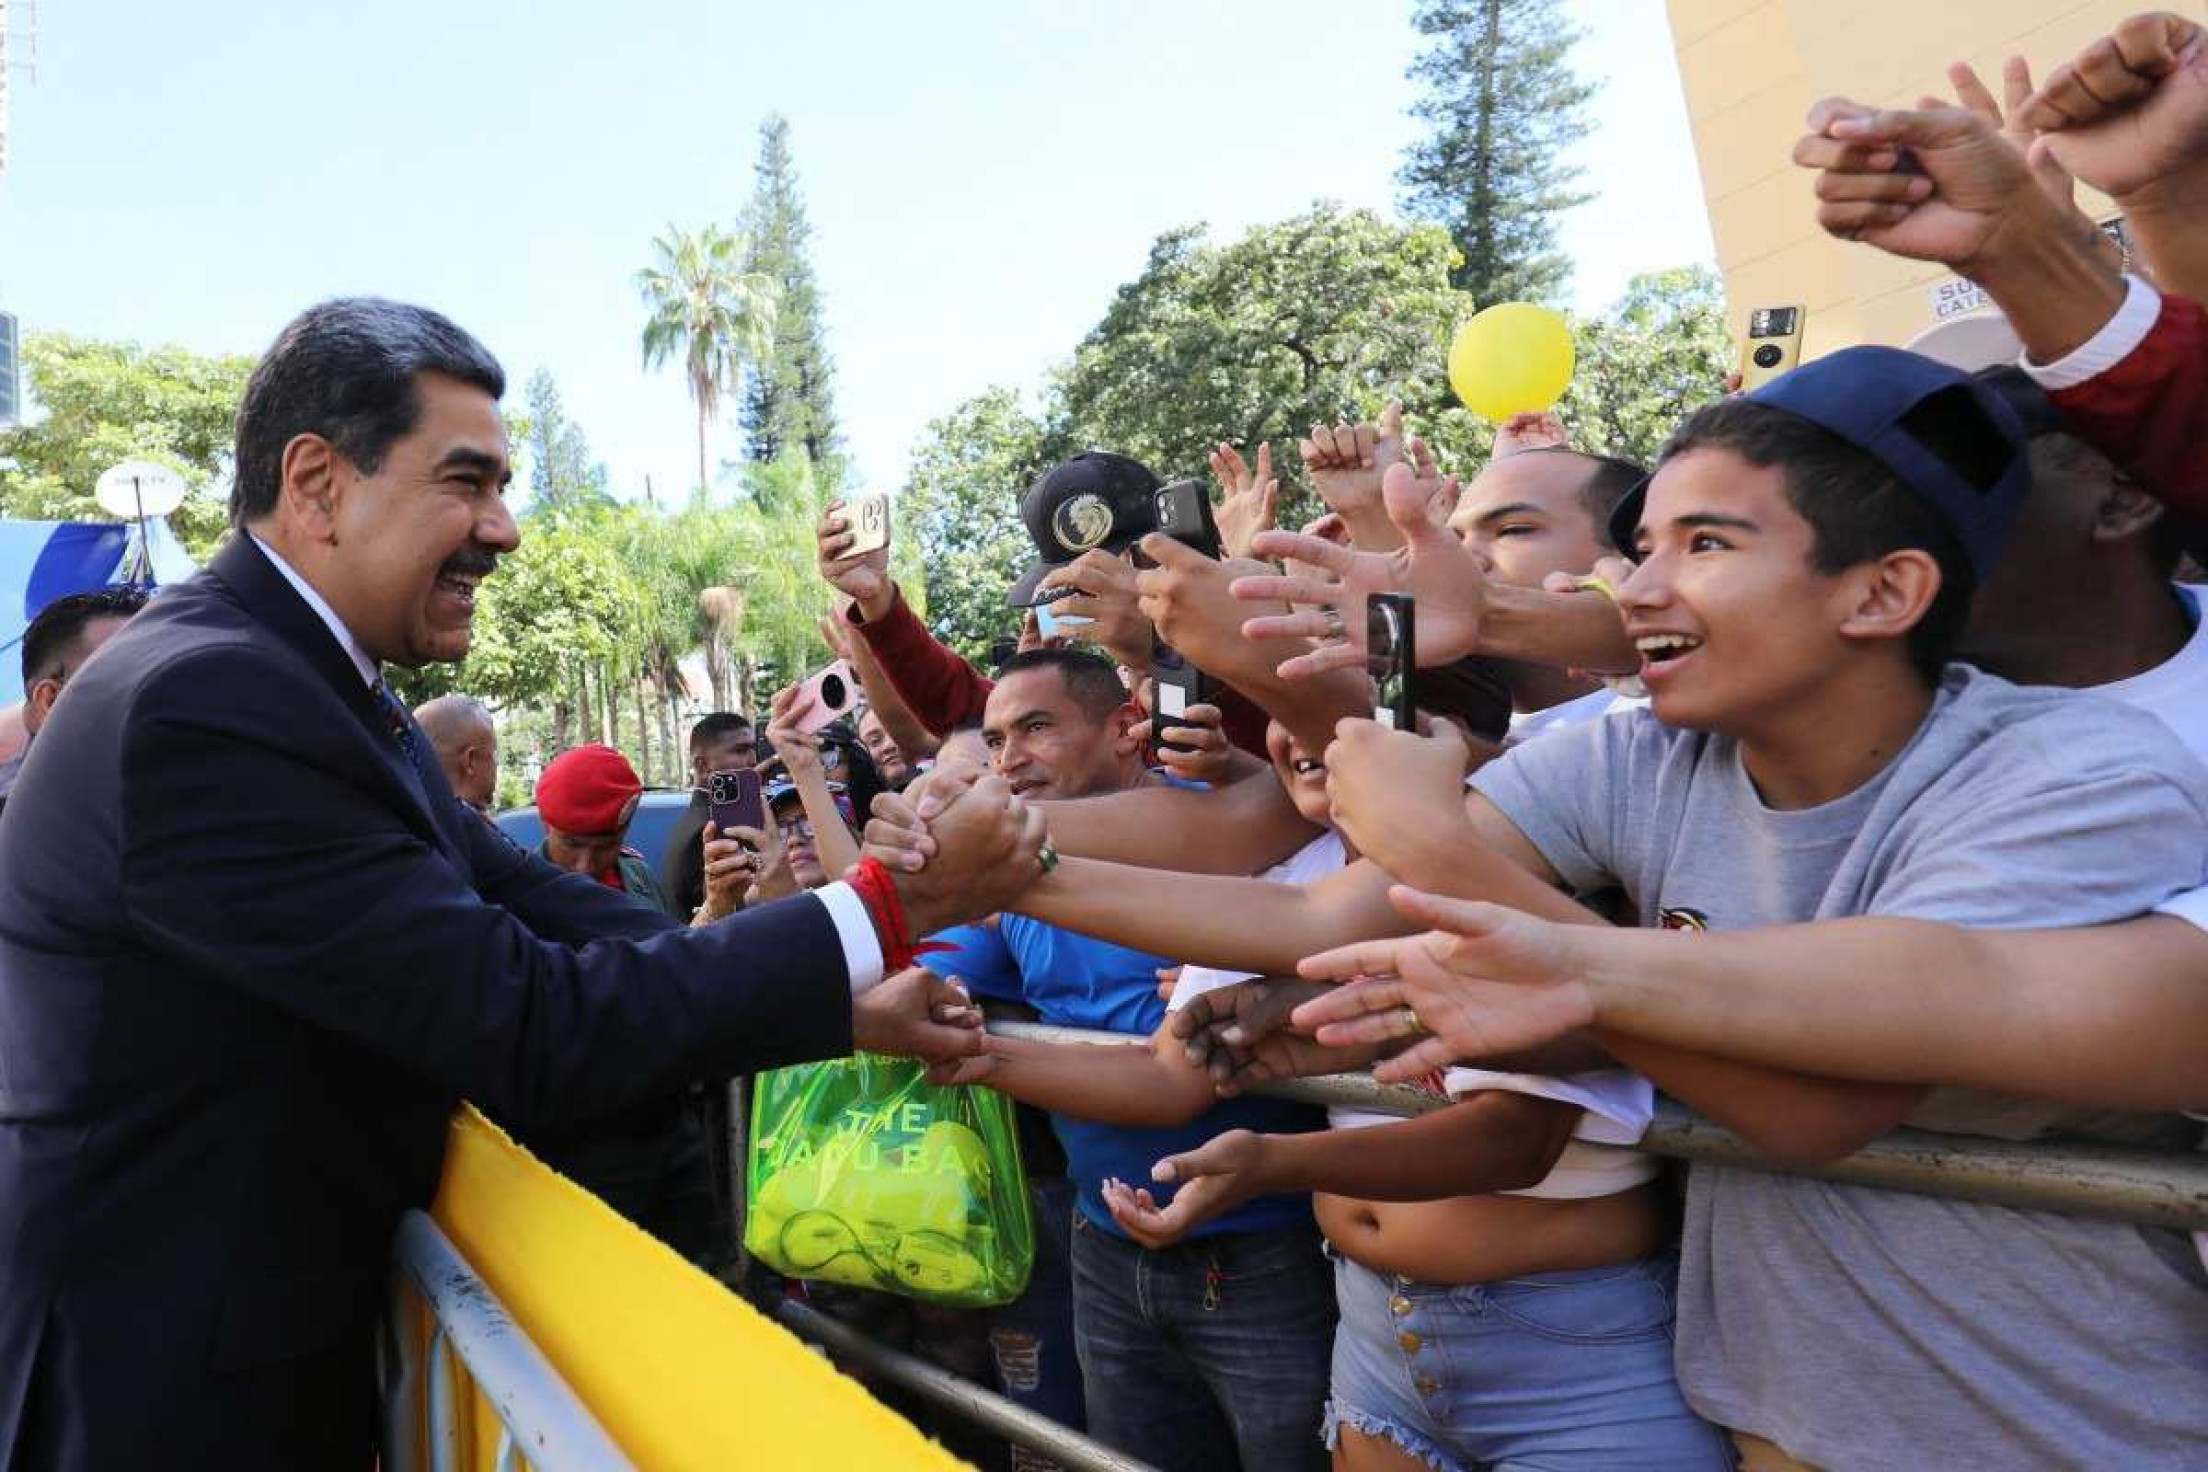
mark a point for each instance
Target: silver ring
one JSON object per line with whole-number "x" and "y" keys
{"x": 1048, "y": 857}
{"x": 1335, "y": 627}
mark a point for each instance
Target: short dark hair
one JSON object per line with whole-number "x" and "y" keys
{"x": 1857, "y": 509}
{"x": 716, "y": 725}
{"x": 1091, "y": 679}
{"x": 346, "y": 370}
{"x": 1608, "y": 479}
{"x": 60, "y": 624}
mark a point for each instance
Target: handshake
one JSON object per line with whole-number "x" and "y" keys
{"x": 959, "y": 846}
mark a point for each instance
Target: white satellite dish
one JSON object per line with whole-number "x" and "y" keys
{"x": 137, "y": 489}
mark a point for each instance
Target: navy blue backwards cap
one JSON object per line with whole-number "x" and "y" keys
{"x": 1953, "y": 439}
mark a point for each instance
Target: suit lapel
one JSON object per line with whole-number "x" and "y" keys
{"x": 261, "y": 590}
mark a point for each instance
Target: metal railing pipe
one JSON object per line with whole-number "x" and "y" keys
{"x": 547, "y": 1421}
{"x": 961, "y": 1397}
{"x": 2159, "y": 1188}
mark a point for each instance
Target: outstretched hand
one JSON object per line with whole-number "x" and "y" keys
{"x": 1214, "y": 1178}
{"x": 1448, "y": 579}
{"x": 1487, "y": 980}
{"x": 1250, "y": 499}
{"x": 1239, "y": 1035}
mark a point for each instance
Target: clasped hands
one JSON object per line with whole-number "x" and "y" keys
{"x": 985, "y": 847}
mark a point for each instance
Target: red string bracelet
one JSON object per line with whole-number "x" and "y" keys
{"x": 899, "y": 950}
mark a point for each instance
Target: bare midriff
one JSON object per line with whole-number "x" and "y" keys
{"x": 1480, "y": 1239}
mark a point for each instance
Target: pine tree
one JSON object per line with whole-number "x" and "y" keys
{"x": 562, "y": 476}
{"x": 789, "y": 397}
{"x": 1505, "y": 109}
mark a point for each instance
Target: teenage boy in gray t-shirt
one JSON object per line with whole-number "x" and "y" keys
{"x": 1807, "y": 554}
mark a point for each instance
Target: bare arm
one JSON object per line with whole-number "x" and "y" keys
{"x": 911, "y": 734}
{"x": 1488, "y": 1142}
{"x": 1913, "y": 1001}
{"x": 1790, "y": 1116}
{"x": 1578, "y": 631}
{"x": 1237, "y": 924}
{"x": 1238, "y": 829}
{"x": 1112, "y": 1084}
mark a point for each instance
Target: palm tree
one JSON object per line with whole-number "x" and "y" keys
{"x": 708, "y": 309}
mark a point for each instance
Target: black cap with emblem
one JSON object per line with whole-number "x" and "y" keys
{"x": 1095, "y": 501}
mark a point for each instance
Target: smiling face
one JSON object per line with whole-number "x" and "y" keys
{"x": 1733, "y": 620}
{"x": 889, "y": 760}
{"x": 399, "y": 551}
{"x": 799, "y": 843}
{"x": 1525, "y": 515}
{"x": 1301, "y": 773}
{"x": 1048, "y": 744}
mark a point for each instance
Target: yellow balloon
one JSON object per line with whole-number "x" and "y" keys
{"x": 1512, "y": 358}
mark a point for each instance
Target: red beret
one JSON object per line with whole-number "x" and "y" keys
{"x": 588, "y": 790}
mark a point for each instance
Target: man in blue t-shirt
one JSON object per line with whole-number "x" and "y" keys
{"x": 1224, "y": 1339}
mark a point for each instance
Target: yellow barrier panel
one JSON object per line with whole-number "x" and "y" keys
{"x": 679, "y": 1371}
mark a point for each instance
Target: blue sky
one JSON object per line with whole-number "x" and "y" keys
{"x": 981, "y": 174}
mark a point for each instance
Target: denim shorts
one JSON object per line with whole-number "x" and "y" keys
{"x": 1552, "y": 1370}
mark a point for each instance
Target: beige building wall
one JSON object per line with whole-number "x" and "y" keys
{"x": 1752, "y": 68}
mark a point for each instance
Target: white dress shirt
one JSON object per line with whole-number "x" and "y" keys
{"x": 862, "y": 948}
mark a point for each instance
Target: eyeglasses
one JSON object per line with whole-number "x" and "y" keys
{"x": 796, "y": 828}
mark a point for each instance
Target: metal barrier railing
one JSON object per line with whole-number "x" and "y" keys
{"x": 2161, "y": 1188}
{"x": 540, "y": 1416}
{"x": 958, "y": 1395}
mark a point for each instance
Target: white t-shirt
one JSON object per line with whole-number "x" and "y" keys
{"x": 1616, "y": 1104}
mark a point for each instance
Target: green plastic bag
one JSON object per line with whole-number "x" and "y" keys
{"x": 862, "y": 1172}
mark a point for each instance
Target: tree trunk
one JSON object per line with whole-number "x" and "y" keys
{"x": 586, "y": 709}
{"x": 606, "y": 733}
{"x": 563, "y": 714}
{"x": 643, "y": 729}
{"x": 704, "y": 485}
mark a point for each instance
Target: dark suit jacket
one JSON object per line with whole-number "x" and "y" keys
{"x": 250, "y": 956}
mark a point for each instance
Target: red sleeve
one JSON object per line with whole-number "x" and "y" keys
{"x": 943, "y": 690}
{"x": 2149, "y": 413}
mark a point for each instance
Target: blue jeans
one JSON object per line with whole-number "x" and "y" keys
{"x": 1032, "y": 1336}
{"x": 1551, "y": 1370}
{"x": 1214, "y": 1343}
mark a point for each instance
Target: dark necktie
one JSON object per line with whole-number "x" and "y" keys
{"x": 400, "y": 727}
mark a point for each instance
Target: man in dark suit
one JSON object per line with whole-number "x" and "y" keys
{"x": 252, "y": 950}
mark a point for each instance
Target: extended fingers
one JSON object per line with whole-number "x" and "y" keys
{"x": 1415, "y": 1062}
{"x": 1347, "y": 1003}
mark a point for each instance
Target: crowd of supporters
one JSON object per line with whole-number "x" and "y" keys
{"x": 1840, "y": 771}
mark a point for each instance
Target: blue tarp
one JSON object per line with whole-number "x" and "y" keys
{"x": 42, "y": 560}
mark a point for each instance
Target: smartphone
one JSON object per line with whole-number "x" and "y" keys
{"x": 868, "y": 518}
{"x": 734, "y": 800}
{"x": 1773, "y": 346}
{"x": 835, "y": 692}
{"x": 1184, "y": 514}
{"x": 1391, "y": 653}
{"x": 1053, "y": 625}
{"x": 1179, "y": 685}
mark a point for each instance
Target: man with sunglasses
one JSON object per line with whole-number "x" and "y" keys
{"x": 64, "y": 635}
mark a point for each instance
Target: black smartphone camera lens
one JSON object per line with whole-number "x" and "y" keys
{"x": 833, "y": 692}
{"x": 1768, "y": 356}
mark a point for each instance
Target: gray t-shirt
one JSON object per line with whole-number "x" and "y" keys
{"x": 1876, "y": 1329}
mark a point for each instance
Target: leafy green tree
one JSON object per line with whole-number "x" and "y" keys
{"x": 562, "y": 474}
{"x": 1661, "y": 351}
{"x": 1326, "y": 314}
{"x": 789, "y": 395}
{"x": 706, "y": 308}
{"x": 1504, "y": 110}
{"x": 110, "y": 401}
{"x": 558, "y": 604}
{"x": 958, "y": 516}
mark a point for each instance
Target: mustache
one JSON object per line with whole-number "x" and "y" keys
{"x": 478, "y": 561}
